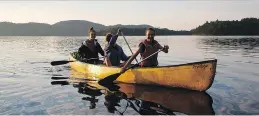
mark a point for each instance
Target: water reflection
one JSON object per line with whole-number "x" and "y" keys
{"x": 237, "y": 43}
{"x": 232, "y": 52}
{"x": 144, "y": 100}
{"x": 83, "y": 88}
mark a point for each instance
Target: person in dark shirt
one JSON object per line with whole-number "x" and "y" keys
{"x": 113, "y": 51}
{"x": 90, "y": 48}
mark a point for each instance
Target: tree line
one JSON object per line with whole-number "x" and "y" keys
{"x": 246, "y": 26}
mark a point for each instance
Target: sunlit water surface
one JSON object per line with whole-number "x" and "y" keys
{"x": 25, "y": 72}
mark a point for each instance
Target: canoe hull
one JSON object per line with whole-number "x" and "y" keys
{"x": 195, "y": 76}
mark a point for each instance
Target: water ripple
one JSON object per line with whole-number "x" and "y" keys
{"x": 25, "y": 87}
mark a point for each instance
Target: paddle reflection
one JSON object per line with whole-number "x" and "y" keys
{"x": 146, "y": 100}
{"x": 93, "y": 93}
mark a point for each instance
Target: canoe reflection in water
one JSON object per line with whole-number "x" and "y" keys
{"x": 146, "y": 100}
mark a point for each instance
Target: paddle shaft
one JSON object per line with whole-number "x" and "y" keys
{"x": 128, "y": 45}
{"x": 145, "y": 58}
{"x": 93, "y": 58}
{"x": 65, "y": 61}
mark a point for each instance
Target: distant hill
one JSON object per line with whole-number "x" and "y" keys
{"x": 129, "y": 26}
{"x": 33, "y": 29}
{"x": 246, "y": 26}
{"x": 73, "y": 28}
{"x": 140, "y": 31}
{"x": 62, "y": 28}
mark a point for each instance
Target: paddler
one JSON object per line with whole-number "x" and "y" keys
{"x": 146, "y": 48}
{"x": 90, "y": 48}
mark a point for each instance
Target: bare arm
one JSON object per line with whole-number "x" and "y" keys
{"x": 165, "y": 49}
{"x": 107, "y": 61}
{"x": 130, "y": 60}
{"x": 114, "y": 38}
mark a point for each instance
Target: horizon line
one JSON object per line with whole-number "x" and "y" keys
{"x": 118, "y": 24}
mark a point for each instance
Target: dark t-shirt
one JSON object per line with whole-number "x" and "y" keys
{"x": 115, "y": 54}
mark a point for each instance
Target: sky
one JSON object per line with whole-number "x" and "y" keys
{"x": 171, "y": 14}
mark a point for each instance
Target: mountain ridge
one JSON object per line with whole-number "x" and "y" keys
{"x": 65, "y": 28}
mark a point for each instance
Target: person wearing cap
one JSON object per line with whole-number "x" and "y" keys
{"x": 113, "y": 51}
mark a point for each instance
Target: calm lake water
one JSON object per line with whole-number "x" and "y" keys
{"x": 26, "y": 86}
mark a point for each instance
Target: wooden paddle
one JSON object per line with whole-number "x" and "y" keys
{"x": 53, "y": 63}
{"x": 128, "y": 45}
{"x": 109, "y": 79}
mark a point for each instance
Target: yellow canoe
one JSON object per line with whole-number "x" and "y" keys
{"x": 195, "y": 76}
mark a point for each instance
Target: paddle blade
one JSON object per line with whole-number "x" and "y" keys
{"x": 108, "y": 80}
{"x": 57, "y": 78}
{"x": 60, "y": 62}
{"x": 59, "y": 83}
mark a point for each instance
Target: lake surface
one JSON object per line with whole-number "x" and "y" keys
{"x": 26, "y": 87}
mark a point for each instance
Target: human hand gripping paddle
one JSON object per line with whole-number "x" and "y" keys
{"x": 53, "y": 63}
{"x": 109, "y": 79}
